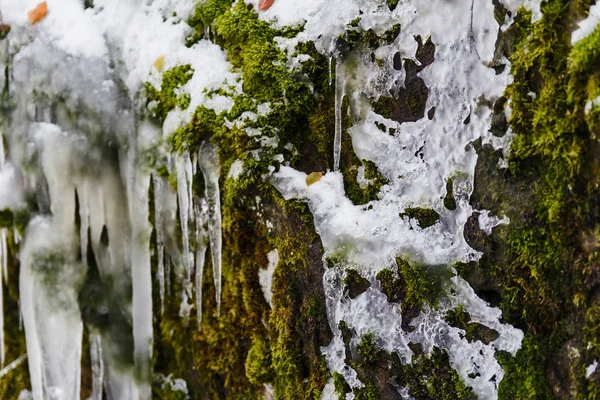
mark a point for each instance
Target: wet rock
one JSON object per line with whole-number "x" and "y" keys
{"x": 355, "y": 284}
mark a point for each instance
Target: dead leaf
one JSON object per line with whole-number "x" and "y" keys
{"x": 4, "y": 30}
{"x": 37, "y": 13}
{"x": 159, "y": 64}
{"x": 264, "y": 5}
{"x": 313, "y": 178}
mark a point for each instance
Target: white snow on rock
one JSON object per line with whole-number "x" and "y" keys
{"x": 417, "y": 161}
{"x": 588, "y": 25}
{"x": 590, "y": 369}
{"x": 265, "y": 276}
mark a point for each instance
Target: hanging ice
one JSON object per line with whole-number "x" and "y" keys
{"x": 97, "y": 366}
{"x": 160, "y": 238}
{"x": 184, "y": 190}
{"x": 2, "y": 273}
{"x": 201, "y": 211}
{"x": 208, "y": 161}
{"x": 339, "y": 96}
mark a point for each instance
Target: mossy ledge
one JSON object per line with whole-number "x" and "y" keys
{"x": 543, "y": 268}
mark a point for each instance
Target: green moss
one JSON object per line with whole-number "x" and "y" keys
{"x": 166, "y": 98}
{"x": 350, "y": 163}
{"x": 391, "y": 285}
{"x": 370, "y": 353}
{"x": 6, "y": 218}
{"x": 368, "y": 392}
{"x": 258, "y": 362}
{"x": 340, "y": 385}
{"x": 431, "y": 377}
{"x": 585, "y": 55}
{"x": 449, "y": 200}
{"x": 425, "y": 217}
{"x": 540, "y": 262}
{"x": 459, "y": 318}
{"x": 354, "y": 283}
{"x": 525, "y": 374}
{"x": 392, "y": 4}
{"x": 422, "y": 285}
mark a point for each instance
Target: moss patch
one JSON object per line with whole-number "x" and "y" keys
{"x": 167, "y": 98}
{"x": 425, "y": 217}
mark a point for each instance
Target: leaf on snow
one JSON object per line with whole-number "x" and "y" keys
{"x": 159, "y": 64}
{"x": 37, "y": 13}
{"x": 313, "y": 178}
{"x": 264, "y": 5}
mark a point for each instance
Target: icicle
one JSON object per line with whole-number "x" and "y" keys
{"x": 3, "y": 277}
{"x": 2, "y": 156}
{"x": 13, "y": 365}
{"x": 194, "y": 164}
{"x": 201, "y": 211}
{"x": 189, "y": 177}
{"x": 97, "y": 366}
{"x": 141, "y": 274}
{"x": 330, "y": 69}
{"x": 84, "y": 216}
{"x": 209, "y": 164}
{"x": 168, "y": 276}
{"x": 16, "y": 236}
{"x": 339, "y": 96}
{"x": 1, "y": 310}
{"x": 184, "y": 205}
{"x": 160, "y": 239}
{"x": 4, "y": 253}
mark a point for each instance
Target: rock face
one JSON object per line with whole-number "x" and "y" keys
{"x": 292, "y": 200}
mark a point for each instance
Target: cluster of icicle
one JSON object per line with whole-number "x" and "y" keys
{"x": 77, "y": 160}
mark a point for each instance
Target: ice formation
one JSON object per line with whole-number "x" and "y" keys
{"x": 78, "y": 143}
{"x": 79, "y": 146}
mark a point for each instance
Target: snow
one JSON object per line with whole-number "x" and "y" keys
{"x": 488, "y": 222}
{"x": 590, "y": 369}
{"x": 265, "y": 276}
{"x": 236, "y": 169}
{"x": 588, "y": 25}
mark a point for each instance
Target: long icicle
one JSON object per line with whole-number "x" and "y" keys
{"x": 208, "y": 160}
{"x": 201, "y": 211}
{"x": 3, "y": 257}
{"x": 97, "y": 366}
{"x": 160, "y": 239}
{"x": 184, "y": 212}
{"x": 339, "y": 95}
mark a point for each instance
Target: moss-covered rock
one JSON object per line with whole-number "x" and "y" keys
{"x": 354, "y": 283}
{"x": 430, "y": 377}
{"x": 425, "y": 217}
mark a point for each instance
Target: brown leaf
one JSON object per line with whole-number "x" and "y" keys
{"x": 264, "y": 5}
{"x": 37, "y": 13}
{"x": 159, "y": 64}
{"x": 4, "y": 30}
{"x": 313, "y": 178}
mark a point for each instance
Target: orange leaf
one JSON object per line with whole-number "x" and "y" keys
{"x": 264, "y": 5}
{"x": 37, "y": 13}
{"x": 313, "y": 178}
